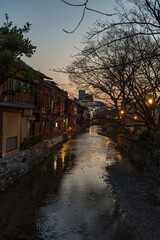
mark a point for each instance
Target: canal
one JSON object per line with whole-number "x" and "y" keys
{"x": 66, "y": 196}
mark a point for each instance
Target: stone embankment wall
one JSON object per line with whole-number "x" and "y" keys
{"x": 142, "y": 154}
{"x": 14, "y": 166}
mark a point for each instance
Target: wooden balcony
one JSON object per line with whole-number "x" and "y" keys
{"x": 23, "y": 97}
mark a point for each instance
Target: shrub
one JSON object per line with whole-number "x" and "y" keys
{"x": 125, "y": 131}
{"x": 156, "y": 138}
{"x": 142, "y": 134}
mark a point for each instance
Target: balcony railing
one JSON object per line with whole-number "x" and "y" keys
{"x": 24, "y": 97}
{"x": 21, "y": 97}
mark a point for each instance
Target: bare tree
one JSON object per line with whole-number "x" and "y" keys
{"x": 126, "y": 71}
{"x": 144, "y": 14}
{"x": 121, "y": 58}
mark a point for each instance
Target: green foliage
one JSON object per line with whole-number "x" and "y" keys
{"x": 23, "y": 87}
{"x": 114, "y": 129}
{"x": 27, "y": 85}
{"x": 156, "y": 138}
{"x": 142, "y": 134}
{"x": 125, "y": 131}
{"x": 13, "y": 45}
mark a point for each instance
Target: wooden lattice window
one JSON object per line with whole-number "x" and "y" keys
{"x": 11, "y": 144}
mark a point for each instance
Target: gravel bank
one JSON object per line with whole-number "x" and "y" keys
{"x": 139, "y": 195}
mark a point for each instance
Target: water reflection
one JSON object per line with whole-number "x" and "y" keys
{"x": 66, "y": 197}
{"x": 93, "y": 130}
{"x": 107, "y": 142}
{"x": 119, "y": 156}
{"x": 55, "y": 164}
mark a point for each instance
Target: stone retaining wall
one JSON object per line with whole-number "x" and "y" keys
{"x": 14, "y": 166}
{"x": 141, "y": 154}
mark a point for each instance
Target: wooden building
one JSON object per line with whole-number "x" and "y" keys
{"x": 36, "y": 111}
{"x": 17, "y": 113}
{"x": 51, "y": 101}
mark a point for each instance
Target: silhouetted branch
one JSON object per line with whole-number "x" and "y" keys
{"x": 75, "y": 5}
{"x": 84, "y": 5}
{"x": 70, "y": 32}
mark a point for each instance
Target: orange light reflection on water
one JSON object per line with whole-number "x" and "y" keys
{"x": 64, "y": 152}
{"x": 92, "y": 130}
{"x": 119, "y": 156}
{"x": 108, "y": 142}
{"x": 55, "y": 163}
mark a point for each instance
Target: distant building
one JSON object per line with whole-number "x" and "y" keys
{"x": 100, "y": 106}
{"x": 86, "y": 100}
{"x": 82, "y": 94}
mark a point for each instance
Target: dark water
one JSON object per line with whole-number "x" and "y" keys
{"x": 66, "y": 197}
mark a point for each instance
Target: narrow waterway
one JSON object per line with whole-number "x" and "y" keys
{"x": 66, "y": 197}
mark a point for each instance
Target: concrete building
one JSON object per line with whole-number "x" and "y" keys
{"x": 86, "y": 100}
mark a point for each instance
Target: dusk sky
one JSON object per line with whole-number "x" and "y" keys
{"x": 48, "y": 19}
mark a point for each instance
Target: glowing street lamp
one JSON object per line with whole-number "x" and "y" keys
{"x": 122, "y": 112}
{"x": 150, "y": 101}
{"x": 135, "y": 117}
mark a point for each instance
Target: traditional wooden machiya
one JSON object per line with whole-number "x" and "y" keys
{"x": 35, "y": 111}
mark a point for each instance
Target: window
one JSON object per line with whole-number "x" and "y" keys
{"x": 11, "y": 144}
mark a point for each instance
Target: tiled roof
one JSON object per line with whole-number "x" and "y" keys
{"x": 22, "y": 65}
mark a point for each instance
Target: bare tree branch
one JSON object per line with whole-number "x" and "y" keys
{"x": 84, "y": 5}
